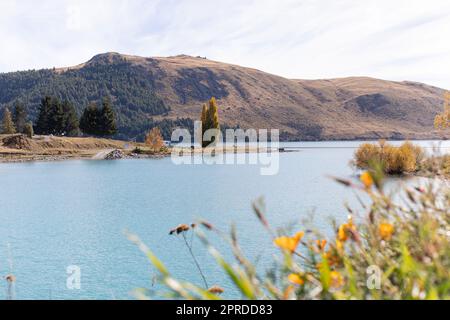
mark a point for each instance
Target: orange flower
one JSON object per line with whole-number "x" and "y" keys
{"x": 321, "y": 244}
{"x": 289, "y": 243}
{"x": 366, "y": 179}
{"x": 296, "y": 279}
{"x": 332, "y": 256}
{"x": 337, "y": 280}
{"x": 287, "y": 292}
{"x": 386, "y": 230}
{"x": 346, "y": 230}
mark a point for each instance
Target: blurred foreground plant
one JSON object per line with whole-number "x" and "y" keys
{"x": 394, "y": 251}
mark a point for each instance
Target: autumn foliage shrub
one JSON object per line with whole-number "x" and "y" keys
{"x": 395, "y": 160}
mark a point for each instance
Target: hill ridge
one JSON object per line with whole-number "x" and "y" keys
{"x": 169, "y": 92}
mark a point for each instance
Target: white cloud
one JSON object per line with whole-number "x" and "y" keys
{"x": 395, "y": 40}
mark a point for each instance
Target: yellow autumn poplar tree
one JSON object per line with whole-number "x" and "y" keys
{"x": 442, "y": 121}
{"x": 210, "y": 118}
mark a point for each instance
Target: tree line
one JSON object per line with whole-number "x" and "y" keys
{"x": 132, "y": 86}
{"x": 59, "y": 118}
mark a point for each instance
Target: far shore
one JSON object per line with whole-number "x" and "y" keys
{"x": 19, "y": 148}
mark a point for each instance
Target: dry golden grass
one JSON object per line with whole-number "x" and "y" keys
{"x": 395, "y": 160}
{"x": 41, "y": 146}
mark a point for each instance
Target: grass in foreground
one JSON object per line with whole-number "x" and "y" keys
{"x": 396, "y": 251}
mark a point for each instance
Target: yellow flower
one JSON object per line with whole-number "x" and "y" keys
{"x": 366, "y": 179}
{"x": 342, "y": 233}
{"x": 346, "y": 230}
{"x": 339, "y": 245}
{"x": 289, "y": 243}
{"x": 337, "y": 280}
{"x": 386, "y": 230}
{"x": 296, "y": 279}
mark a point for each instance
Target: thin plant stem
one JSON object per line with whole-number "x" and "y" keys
{"x": 195, "y": 261}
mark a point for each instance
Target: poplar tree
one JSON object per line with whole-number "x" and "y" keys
{"x": 214, "y": 114}
{"x": 210, "y": 119}
{"x": 28, "y": 130}
{"x": 7, "y": 123}
{"x": 19, "y": 117}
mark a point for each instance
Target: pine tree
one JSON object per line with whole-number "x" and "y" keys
{"x": 89, "y": 120}
{"x": 71, "y": 123}
{"x": 7, "y": 123}
{"x": 55, "y": 117}
{"x": 107, "y": 122}
{"x": 19, "y": 117}
{"x": 42, "y": 123}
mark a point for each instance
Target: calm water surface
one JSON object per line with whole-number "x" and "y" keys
{"x": 58, "y": 214}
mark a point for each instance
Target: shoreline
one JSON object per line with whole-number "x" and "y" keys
{"x": 21, "y": 158}
{"x": 50, "y": 149}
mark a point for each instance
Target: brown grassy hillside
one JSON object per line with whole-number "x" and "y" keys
{"x": 21, "y": 148}
{"x": 347, "y": 108}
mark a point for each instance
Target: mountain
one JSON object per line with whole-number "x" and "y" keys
{"x": 169, "y": 92}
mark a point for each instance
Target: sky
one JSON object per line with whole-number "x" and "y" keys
{"x": 301, "y": 39}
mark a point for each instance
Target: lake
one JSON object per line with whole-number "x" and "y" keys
{"x": 57, "y": 214}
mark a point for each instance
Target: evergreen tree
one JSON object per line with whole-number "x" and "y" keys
{"x": 42, "y": 123}
{"x": 55, "y": 117}
{"x": 7, "y": 123}
{"x": 89, "y": 120}
{"x": 107, "y": 122}
{"x": 71, "y": 123}
{"x": 19, "y": 117}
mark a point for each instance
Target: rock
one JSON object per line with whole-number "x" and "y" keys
{"x": 115, "y": 155}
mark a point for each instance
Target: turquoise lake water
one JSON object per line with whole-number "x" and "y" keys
{"x": 58, "y": 214}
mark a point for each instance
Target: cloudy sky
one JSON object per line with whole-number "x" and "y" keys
{"x": 389, "y": 39}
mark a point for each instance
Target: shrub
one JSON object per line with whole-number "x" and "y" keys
{"x": 394, "y": 160}
{"x": 366, "y": 153}
{"x": 154, "y": 139}
{"x": 28, "y": 130}
{"x": 436, "y": 166}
